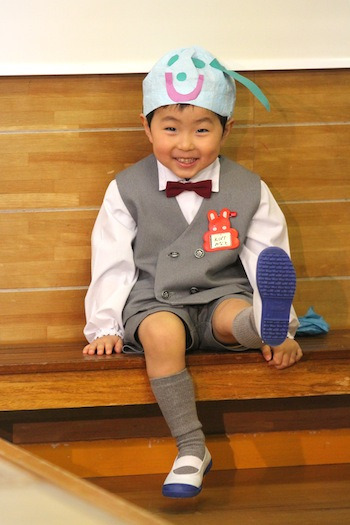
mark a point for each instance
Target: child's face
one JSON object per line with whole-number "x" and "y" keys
{"x": 186, "y": 140}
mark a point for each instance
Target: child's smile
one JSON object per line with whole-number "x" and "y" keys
{"x": 186, "y": 139}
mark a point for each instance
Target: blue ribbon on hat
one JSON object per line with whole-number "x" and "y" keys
{"x": 253, "y": 88}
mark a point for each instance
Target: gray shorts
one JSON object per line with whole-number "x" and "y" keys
{"x": 196, "y": 318}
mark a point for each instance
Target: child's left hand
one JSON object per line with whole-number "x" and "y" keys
{"x": 284, "y": 355}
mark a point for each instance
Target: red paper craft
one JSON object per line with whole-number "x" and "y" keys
{"x": 220, "y": 235}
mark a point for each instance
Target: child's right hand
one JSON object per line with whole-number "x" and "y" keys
{"x": 104, "y": 345}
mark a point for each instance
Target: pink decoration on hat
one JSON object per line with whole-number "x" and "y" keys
{"x": 179, "y": 97}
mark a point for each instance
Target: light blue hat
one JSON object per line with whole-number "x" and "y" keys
{"x": 194, "y": 76}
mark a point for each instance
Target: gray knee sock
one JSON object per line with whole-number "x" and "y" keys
{"x": 176, "y": 400}
{"x": 244, "y": 330}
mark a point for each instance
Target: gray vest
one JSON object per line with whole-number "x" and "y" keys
{"x": 174, "y": 269}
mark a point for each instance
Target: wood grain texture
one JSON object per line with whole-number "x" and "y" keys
{"x": 63, "y": 139}
{"x": 73, "y": 169}
{"x": 81, "y": 102}
{"x": 319, "y": 238}
{"x": 329, "y": 296}
{"x": 304, "y": 163}
{"x": 40, "y": 486}
{"x": 53, "y": 249}
{"x": 304, "y": 96}
{"x": 34, "y": 316}
{"x": 145, "y": 421}
{"x": 236, "y": 451}
{"x": 49, "y": 170}
{"x": 115, "y": 100}
{"x": 79, "y": 381}
{"x": 288, "y": 495}
{"x": 68, "y": 102}
{"x": 58, "y": 315}
{"x": 46, "y": 250}
{"x": 68, "y": 357}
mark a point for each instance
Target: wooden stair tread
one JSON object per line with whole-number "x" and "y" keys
{"x": 68, "y": 357}
{"x": 60, "y": 376}
{"x": 288, "y": 495}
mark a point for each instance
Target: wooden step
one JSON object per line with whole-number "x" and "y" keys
{"x": 33, "y": 491}
{"x": 59, "y": 376}
{"x": 125, "y": 457}
{"x": 289, "y": 496}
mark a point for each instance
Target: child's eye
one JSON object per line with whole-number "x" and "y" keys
{"x": 170, "y": 128}
{"x": 202, "y": 130}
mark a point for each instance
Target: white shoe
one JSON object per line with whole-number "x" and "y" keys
{"x": 272, "y": 301}
{"x": 187, "y": 485}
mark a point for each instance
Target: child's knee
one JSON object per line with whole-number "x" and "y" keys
{"x": 225, "y": 314}
{"x": 160, "y": 329}
{"x": 163, "y": 338}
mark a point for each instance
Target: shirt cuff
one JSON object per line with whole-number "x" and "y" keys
{"x": 111, "y": 331}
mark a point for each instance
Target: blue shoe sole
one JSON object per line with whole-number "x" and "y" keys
{"x": 276, "y": 283}
{"x": 181, "y": 490}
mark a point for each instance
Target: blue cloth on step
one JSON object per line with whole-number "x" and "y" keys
{"x": 312, "y": 324}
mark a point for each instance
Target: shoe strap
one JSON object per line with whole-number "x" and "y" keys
{"x": 188, "y": 461}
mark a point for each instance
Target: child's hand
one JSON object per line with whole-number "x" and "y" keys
{"x": 104, "y": 345}
{"x": 284, "y": 355}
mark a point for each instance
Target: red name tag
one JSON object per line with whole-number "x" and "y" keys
{"x": 220, "y": 235}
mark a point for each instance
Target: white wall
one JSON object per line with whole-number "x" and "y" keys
{"x": 113, "y": 36}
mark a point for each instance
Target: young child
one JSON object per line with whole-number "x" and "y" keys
{"x": 177, "y": 265}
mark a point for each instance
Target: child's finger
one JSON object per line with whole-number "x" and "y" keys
{"x": 284, "y": 360}
{"x": 86, "y": 349}
{"x": 101, "y": 348}
{"x": 277, "y": 358}
{"x": 109, "y": 348}
{"x": 118, "y": 347}
{"x": 267, "y": 353}
{"x": 89, "y": 349}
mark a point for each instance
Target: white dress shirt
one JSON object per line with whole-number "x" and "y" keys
{"x": 113, "y": 268}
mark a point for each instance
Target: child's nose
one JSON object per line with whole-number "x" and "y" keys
{"x": 185, "y": 142}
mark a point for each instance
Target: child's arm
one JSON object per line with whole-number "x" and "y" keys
{"x": 113, "y": 271}
{"x": 284, "y": 355}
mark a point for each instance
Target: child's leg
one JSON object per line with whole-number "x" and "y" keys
{"x": 163, "y": 338}
{"x": 233, "y": 322}
{"x": 267, "y": 320}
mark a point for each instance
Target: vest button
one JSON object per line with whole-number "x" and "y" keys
{"x": 199, "y": 253}
{"x": 165, "y": 294}
{"x": 194, "y": 290}
{"x": 173, "y": 255}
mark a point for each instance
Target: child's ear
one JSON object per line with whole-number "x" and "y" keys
{"x": 146, "y": 127}
{"x": 228, "y": 128}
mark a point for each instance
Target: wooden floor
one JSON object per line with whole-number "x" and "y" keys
{"x": 317, "y": 495}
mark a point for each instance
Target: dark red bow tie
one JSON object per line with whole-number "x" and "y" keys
{"x": 202, "y": 188}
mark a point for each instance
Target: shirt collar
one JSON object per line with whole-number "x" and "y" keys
{"x": 211, "y": 172}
